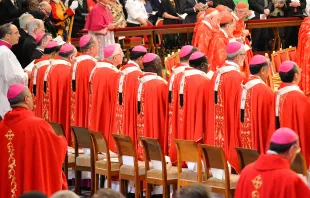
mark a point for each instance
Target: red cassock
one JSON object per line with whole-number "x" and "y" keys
{"x": 222, "y": 106}
{"x": 198, "y": 24}
{"x": 291, "y": 107}
{"x": 191, "y": 81}
{"x": 151, "y": 104}
{"x": 124, "y": 105}
{"x": 255, "y": 101}
{"x": 100, "y": 97}
{"x": 203, "y": 37}
{"x": 36, "y": 83}
{"x": 56, "y": 94}
{"x": 172, "y": 111}
{"x": 80, "y": 73}
{"x": 270, "y": 176}
{"x": 217, "y": 49}
{"x": 31, "y": 155}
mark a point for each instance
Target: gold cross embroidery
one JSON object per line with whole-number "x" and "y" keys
{"x": 257, "y": 183}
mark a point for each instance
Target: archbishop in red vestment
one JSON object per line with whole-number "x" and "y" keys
{"x": 31, "y": 153}
{"x": 270, "y": 175}
{"x": 255, "y": 101}
{"x": 56, "y": 89}
{"x": 101, "y": 84}
{"x": 199, "y": 17}
{"x": 151, "y": 102}
{"x": 80, "y": 73}
{"x": 222, "y": 104}
{"x": 292, "y": 107}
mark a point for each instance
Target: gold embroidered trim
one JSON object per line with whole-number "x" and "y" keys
{"x": 12, "y": 163}
{"x": 257, "y": 183}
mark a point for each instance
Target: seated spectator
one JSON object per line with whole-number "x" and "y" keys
{"x": 107, "y": 193}
{"x": 137, "y": 15}
{"x": 79, "y": 18}
{"x": 42, "y": 40}
{"x": 194, "y": 191}
{"x": 117, "y": 13}
{"x": 64, "y": 194}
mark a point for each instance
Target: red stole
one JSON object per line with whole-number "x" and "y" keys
{"x": 217, "y": 49}
{"x": 31, "y": 155}
{"x": 79, "y": 89}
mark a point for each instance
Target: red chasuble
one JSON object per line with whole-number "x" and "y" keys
{"x": 198, "y": 24}
{"x": 270, "y": 176}
{"x": 80, "y": 73}
{"x": 100, "y": 97}
{"x": 292, "y": 108}
{"x": 191, "y": 81}
{"x": 203, "y": 37}
{"x": 124, "y": 102}
{"x": 172, "y": 111}
{"x": 56, "y": 95}
{"x": 217, "y": 49}
{"x": 36, "y": 83}
{"x": 255, "y": 101}
{"x": 151, "y": 106}
{"x": 222, "y": 106}
{"x": 31, "y": 155}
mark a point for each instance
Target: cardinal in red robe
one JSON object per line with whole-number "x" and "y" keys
{"x": 219, "y": 41}
{"x": 101, "y": 97}
{"x": 36, "y": 81}
{"x": 255, "y": 99}
{"x": 56, "y": 89}
{"x": 222, "y": 104}
{"x": 204, "y": 32}
{"x": 80, "y": 73}
{"x": 199, "y": 17}
{"x": 292, "y": 107}
{"x": 124, "y": 94}
{"x": 270, "y": 175}
{"x": 173, "y": 102}
{"x": 31, "y": 153}
{"x": 151, "y": 102}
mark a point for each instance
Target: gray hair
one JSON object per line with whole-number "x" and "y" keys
{"x": 44, "y": 4}
{"x": 64, "y": 194}
{"x": 44, "y": 38}
{"x": 34, "y": 24}
{"x": 232, "y": 56}
{"x": 5, "y": 29}
{"x": 117, "y": 46}
{"x": 24, "y": 19}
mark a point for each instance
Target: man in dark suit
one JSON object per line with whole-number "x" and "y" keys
{"x": 79, "y": 17}
{"x": 262, "y": 9}
{"x": 8, "y": 11}
{"x": 191, "y": 7}
{"x": 228, "y": 3}
{"x": 46, "y": 9}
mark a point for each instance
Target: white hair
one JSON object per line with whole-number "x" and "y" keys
{"x": 116, "y": 51}
{"x": 34, "y": 24}
{"x": 232, "y": 56}
{"x": 64, "y": 194}
{"x": 24, "y": 19}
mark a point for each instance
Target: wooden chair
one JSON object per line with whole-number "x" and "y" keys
{"x": 291, "y": 53}
{"x": 299, "y": 165}
{"x": 135, "y": 172}
{"x": 246, "y": 156}
{"x": 102, "y": 167}
{"x": 158, "y": 176}
{"x": 277, "y": 58}
{"x": 214, "y": 157}
{"x": 129, "y": 43}
{"x": 188, "y": 151}
{"x": 69, "y": 159}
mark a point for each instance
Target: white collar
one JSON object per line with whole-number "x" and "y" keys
{"x": 226, "y": 35}
{"x": 207, "y": 23}
{"x": 230, "y": 63}
{"x": 133, "y": 62}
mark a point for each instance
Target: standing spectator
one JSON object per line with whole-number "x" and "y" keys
{"x": 46, "y": 9}
{"x": 29, "y": 5}
{"x": 8, "y": 11}
{"x": 117, "y": 13}
{"x": 42, "y": 40}
{"x": 79, "y": 17}
{"x": 137, "y": 15}
{"x": 228, "y": 3}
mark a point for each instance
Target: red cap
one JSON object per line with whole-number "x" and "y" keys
{"x": 258, "y": 59}
{"x": 84, "y": 40}
{"x": 226, "y": 19}
{"x": 286, "y": 66}
{"x": 210, "y": 10}
{"x": 196, "y": 55}
{"x": 51, "y": 44}
{"x": 221, "y": 8}
{"x": 15, "y": 90}
{"x": 233, "y": 47}
{"x": 241, "y": 5}
{"x": 39, "y": 37}
{"x": 66, "y": 48}
{"x": 149, "y": 57}
{"x": 139, "y": 48}
{"x": 284, "y": 136}
{"x": 109, "y": 50}
{"x": 185, "y": 50}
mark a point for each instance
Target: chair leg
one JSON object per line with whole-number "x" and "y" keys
{"x": 137, "y": 188}
{"x": 78, "y": 176}
{"x": 109, "y": 181}
{"x": 96, "y": 183}
{"x": 174, "y": 188}
{"x": 141, "y": 189}
{"x": 92, "y": 183}
{"x": 122, "y": 186}
{"x": 148, "y": 190}
{"x": 227, "y": 194}
{"x": 166, "y": 189}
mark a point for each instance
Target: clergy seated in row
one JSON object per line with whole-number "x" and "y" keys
{"x": 173, "y": 103}
{"x": 31, "y": 153}
{"x": 221, "y": 116}
{"x": 42, "y": 40}
{"x": 270, "y": 175}
{"x": 255, "y": 101}
{"x": 56, "y": 106}
{"x": 10, "y": 71}
{"x": 102, "y": 83}
{"x": 203, "y": 36}
{"x": 151, "y": 100}
{"x": 291, "y": 106}
{"x": 37, "y": 75}
{"x": 124, "y": 92}
{"x": 80, "y": 73}
{"x": 220, "y": 39}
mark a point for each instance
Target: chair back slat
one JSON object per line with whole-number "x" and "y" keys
{"x": 100, "y": 141}
{"x": 124, "y": 145}
{"x": 187, "y": 150}
{"x": 214, "y": 156}
{"x": 299, "y": 165}
{"x": 246, "y": 156}
{"x": 153, "y": 148}
{"x": 57, "y": 128}
{"x": 82, "y": 137}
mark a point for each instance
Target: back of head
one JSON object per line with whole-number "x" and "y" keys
{"x": 152, "y": 63}
{"x": 33, "y": 194}
{"x": 287, "y": 71}
{"x": 51, "y": 48}
{"x": 24, "y": 19}
{"x": 185, "y": 52}
{"x": 67, "y": 51}
{"x": 137, "y": 52}
{"x": 5, "y": 29}
{"x": 199, "y": 61}
{"x": 235, "y": 52}
{"x": 34, "y": 25}
{"x": 86, "y": 42}
{"x": 107, "y": 193}
{"x": 194, "y": 191}
{"x": 65, "y": 194}
{"x": 282, "y": 140}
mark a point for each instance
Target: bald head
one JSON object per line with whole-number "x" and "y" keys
{"x": 45, "y": 8}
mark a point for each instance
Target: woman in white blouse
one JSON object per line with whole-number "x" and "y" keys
{"x": 137, "y": 15}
